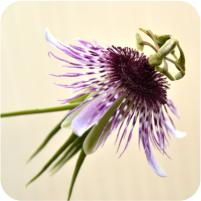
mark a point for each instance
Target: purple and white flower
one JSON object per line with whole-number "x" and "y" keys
{"x": 114, "y": 74}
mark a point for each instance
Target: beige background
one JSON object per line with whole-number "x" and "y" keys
{"x": 26, "y": 84}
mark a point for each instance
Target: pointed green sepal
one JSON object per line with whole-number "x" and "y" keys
{"x": 75, "y": 146}
{"x": 65, "y": 158}
{"x": 54, "y": 157}
{"x": 90, "y": 143}
{"x": 79, "y": 163}
{"x": 47, "y": 139}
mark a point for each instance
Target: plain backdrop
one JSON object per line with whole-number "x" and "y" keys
{"x": 26, "y": 84}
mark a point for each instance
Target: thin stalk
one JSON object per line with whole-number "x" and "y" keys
{"x": 177, "y": 66}
{"x": 40, "y": 110}
{"x": 150, "y": 45}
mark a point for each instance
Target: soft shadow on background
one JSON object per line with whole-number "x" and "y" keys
{"x": 26, "y": 84}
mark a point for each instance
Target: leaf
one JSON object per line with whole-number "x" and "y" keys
{"x": 54, "y": 157}
{"x": 79, "y": 163}
{"x": 92, "y": 138}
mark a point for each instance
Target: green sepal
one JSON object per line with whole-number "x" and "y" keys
{"x": 65, "y": 158}
{"x": 75, "y": 146}
{"x": 79, "y": 163}
{"x": 54, "y": 157}
{"x": 90, "y": 142}
{"x": 47, "y": 139}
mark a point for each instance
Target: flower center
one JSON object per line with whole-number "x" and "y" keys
{"x": 132, "y": 70}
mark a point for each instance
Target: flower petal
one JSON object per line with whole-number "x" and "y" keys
{"x": 92, "y": 140}
{"x": 89, "y": 116}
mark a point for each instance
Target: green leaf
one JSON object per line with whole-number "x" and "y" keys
{"x": 79, "y": 163}
{"x": 92, "y": 138}
{"x": 47, "y": 139}
{"x": 54, "y": 157}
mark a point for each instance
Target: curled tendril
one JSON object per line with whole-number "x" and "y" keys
{"x": 164, "y": 46}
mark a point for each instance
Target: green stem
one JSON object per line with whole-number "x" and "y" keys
{"x": 150, "y": 45}
{"x": 151, "y": 35}
{"x": 41, "y": 110}
{"x": 176, "y": 65}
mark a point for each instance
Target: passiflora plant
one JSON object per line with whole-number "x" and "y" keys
{"x": 116, "y": 87}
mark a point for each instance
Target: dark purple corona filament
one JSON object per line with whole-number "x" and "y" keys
{"x": 137, "y": 77}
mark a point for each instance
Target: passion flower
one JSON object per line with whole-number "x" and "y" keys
{"x": 116, "y": 87}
